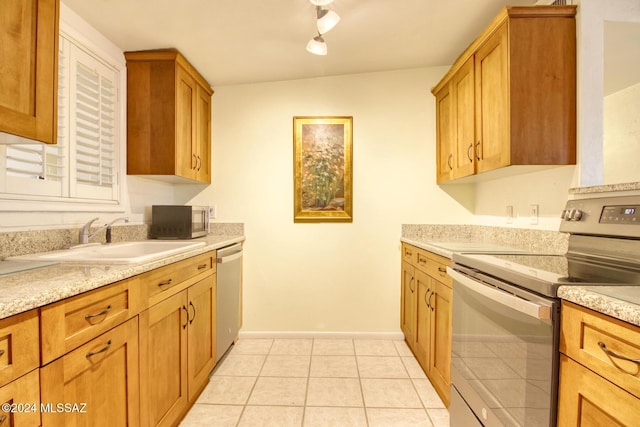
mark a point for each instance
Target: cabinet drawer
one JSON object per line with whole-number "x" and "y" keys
{"x": 19, "y": 345}
{"x": 101, "y": 377}
{"x": 74, "y": 321}
{"x": 435, "y": 266}
{"x": 24, "y": 394}
{"x": 602, "y": 343}
{"x": 409, "y": 254}
{"x": 168, "y": 277}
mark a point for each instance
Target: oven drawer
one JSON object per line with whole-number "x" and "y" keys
{"x": 603, "y": 344}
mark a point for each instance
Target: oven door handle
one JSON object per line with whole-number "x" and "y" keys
{"x": 537, "y": 311}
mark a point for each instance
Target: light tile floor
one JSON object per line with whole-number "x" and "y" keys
{"x": 318, "y": 382}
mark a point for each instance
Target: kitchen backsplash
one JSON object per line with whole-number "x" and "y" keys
{"x": 28, "y": 242}
{"x": 521, "y": 238}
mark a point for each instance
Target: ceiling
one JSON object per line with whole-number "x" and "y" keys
{"x": 247, "y": 41}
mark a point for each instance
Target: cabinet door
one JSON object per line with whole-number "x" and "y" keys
{"x": 445, "y": 128}
{"x": 202, "y": 140}
{"x": 163, "y": 375}
{"x": 492, "y": 102}
{"x": 408, "y": 303}
{"x": 28, "y": 69}
{"x": 23, "y": 391}
{"x": 186, "y": 157}
{"x": 19, "y": 346}
{"x": 440, "y": 346}
{"x": 202, "y": 334}
{"x": 588, "y": 400}
{"x": 464, "y": 125}
{"x": 424, "y": 285}
{"x": 100, "y": 378}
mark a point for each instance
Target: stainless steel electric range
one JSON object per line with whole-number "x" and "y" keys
{"x": 506, "y": 313}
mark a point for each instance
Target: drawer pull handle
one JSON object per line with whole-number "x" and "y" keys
{"x": 422, "y": 260}
{"x": 3, "y": 419}
{"x": 165, "y": 283}
{"x": 194, "y": 312}
{"x": 612, "y": 355}
{"x": 186, "y": 312}
{"x": 102, "y": 350}
{"x": 201, "y": 266}
{"x": 442, "y": 270}
{"x": 102, "y": 313}
{"x": 1, "y": 352}
{"x": 410, "y": 288}
{"x": 425, "y": 297}
{"x": 430, "y": 305}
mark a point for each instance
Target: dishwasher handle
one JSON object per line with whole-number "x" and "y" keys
{"x": 229, "y": 253}
{"x": 537, "y": 311}
{"x": 229, "y": 258}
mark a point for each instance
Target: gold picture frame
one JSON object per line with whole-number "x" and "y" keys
{"x": 322, "y": 168}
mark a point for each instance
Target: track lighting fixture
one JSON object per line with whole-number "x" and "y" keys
{"x": 325, "y": 20}
{"x": 317, "y": 46}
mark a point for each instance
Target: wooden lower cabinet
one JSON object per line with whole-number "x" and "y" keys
{"x": 588, "y": 400}
{"x": 408, "y": 302}
{"x": 440, "y": 344}
{"x": 163, "y": 374}
{"x": 24, "y": 394}
{"x": 599, "y": 372}
{"x": 201, "y": 336}
{"x": 98, "y": 382}
{"x": 426, "y": 315}
{"x": 178, "y": 352}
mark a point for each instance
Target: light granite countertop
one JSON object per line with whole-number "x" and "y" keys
{"x": 35, "y": 288}
{"x": 621, "y": 302}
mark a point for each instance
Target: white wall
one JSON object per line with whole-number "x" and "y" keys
{"x": 622, "y": 135}
{"x": 327, "y": 277}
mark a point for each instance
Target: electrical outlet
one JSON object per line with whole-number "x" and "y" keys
{"x": 509, "y": 213}
{"x": 213, "y": 211}
{"x": 533, "y": 214}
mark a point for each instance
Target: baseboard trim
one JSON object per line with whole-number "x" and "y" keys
{"x": 321, "y": 335}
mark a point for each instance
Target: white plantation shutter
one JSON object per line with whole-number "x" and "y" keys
{"x": 93, "y": 123}
{"x": 84, "y": 162}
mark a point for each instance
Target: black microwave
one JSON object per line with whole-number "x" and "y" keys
{"x": 179, "y": 222}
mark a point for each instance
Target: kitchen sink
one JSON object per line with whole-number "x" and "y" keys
{"x": 116, "y": 253}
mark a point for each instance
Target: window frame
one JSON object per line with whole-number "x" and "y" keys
{"x": 87, "y": 39}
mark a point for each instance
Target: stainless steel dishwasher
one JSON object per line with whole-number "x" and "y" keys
{"x": 229, "y": 280}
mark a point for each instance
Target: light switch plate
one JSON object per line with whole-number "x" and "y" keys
{"x": 533, "y": 214}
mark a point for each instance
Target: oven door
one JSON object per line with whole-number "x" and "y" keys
{"x": 504, "y": 362}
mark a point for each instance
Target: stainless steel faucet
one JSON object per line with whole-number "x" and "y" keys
{"x": 84, "y": 235}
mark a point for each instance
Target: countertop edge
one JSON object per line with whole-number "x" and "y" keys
{"x": 427, "y": 247}
{"x": 120, "y": 272}
{"x": 605, "y": 304}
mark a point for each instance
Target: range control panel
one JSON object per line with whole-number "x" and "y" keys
{"x": 620, "y": 215}
{"x": 606, "y": 216}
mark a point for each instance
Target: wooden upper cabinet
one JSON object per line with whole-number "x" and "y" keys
{"x": 168, "y": 117}
{"x": 29, "y": 68}
{"x": 512, "y": 95}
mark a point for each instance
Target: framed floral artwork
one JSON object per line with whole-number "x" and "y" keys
{"x": 322, "y": 168}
